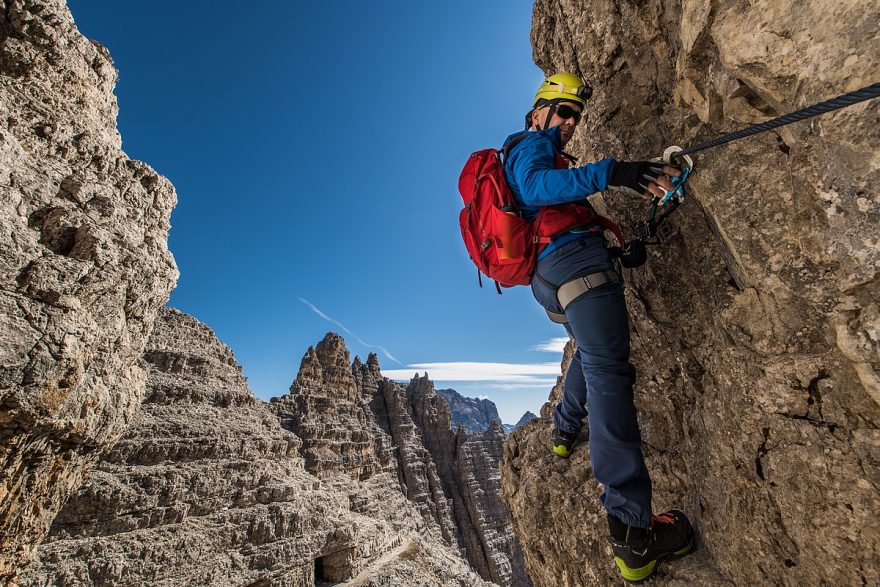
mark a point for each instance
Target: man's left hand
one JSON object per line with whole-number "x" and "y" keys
{"x": 646, "y": 179}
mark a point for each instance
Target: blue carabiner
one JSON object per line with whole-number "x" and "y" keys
{"x": 677, "y": 182}
{"x": 677, "y": 186}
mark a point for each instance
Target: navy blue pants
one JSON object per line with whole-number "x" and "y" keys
{"x": 601, "y": 376}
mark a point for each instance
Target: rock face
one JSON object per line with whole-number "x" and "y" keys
{"x": 367, "y": 428}
{"x": 755, "y": 327}
{"x": 476, "y": 415}
{"x": 527, "y": 417}
{"x": 208, "y": 488}
{"x": 84, "y": 267}
{"x": 478, "y": 478}
{"x": 469, "y": 469}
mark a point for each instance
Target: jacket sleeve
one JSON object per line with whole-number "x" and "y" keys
{"x": 540, "y": 184}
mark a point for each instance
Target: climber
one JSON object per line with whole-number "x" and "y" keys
{"x": 577, "y": 268}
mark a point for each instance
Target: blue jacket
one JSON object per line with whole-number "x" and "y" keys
{"x": 531, "y": 173}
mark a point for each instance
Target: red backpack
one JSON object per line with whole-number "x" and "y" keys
{"x": 501, "y": 243}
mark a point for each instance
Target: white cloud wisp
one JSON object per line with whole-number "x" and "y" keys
{"x": 347, "y": 331}
{"x": 503, "y": 375}
{"x": 554, "y": 345}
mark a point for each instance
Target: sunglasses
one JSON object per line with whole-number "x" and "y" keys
{"x": 565, "y": 112}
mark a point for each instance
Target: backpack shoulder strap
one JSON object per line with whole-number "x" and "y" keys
{"x": 505, "y": 150}
{"x": 570, "y": 157}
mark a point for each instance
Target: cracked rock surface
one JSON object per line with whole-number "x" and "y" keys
{"x": 84, "y": 268}
{"x": 755, "y": 327}
{"x": 356, "y": 424}
{"x": 208, "y": 488}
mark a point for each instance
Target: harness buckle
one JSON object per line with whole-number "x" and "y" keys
{"x": 575, "y": 288}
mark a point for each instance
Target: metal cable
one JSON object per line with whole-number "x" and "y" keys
{"x": 866, "y": 93}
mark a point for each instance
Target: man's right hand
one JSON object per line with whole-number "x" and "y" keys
{"x": 647, "y": 179}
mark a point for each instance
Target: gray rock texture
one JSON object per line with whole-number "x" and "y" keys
{"x": 208, "y": 488}
{"x": 527, "y": 417}
{"x": 356, "y": 424}
{"x": 755, "y": 327}
{"x": 468, "y": 466}
{"x": 84, "y": 267}
{"x": 474, "y": 414}
{"x": 478, "y": 478}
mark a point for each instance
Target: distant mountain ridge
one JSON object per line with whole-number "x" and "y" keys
{"x": 527, "y": 417}
{"x": 476, "y": 414}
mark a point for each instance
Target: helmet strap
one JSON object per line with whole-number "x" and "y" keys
{"x": 550, "y": 114}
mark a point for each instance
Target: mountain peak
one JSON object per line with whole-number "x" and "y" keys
{"x": 474, "y": 414}
{"x": 326, "y": 365}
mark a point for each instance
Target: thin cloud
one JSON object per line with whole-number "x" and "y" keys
{"x": 515, "y": 374}
{"x": 538, "y": 384}
{"x": 347, "y": 331}
{"x": 554, "y": 345}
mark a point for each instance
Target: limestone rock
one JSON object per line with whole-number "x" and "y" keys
{"x": 207, "y": 488}
{"x": 362, "y": 426}
{"x": 527, "y": 417}
{"x": 326, "y": 409}
{"x": 478, "y": 476}
{"x": 211, "y": 486}
{"x": 476, "y": 415}
{"x": 469, "y": 470}
{"x": 754, "y": 326}
{"x": 84, "y": 266}
{"x": 417, "y": 468}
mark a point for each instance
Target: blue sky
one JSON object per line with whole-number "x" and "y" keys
{"x": 315, "y": 148}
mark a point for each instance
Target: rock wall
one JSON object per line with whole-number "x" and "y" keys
{"x": 207, "y": 488}
{"x": 84, "y": 267}
{"x": 349, "y": 477}
{"x": 476, "y": 415}
{"x": 358, "y": 424}
{"x": 418, "y": 468}
{"x": 527, "y": 417}
{"x": 478, "y": 477}
{"x": 468, "y": 466}
{"x": 332, "y": 415}
{"x": 755, "y": 327}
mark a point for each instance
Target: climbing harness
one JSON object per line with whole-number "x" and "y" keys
{"x": 575, "y": 288}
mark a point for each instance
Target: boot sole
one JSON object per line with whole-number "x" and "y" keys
{"x": 639, "y": 574}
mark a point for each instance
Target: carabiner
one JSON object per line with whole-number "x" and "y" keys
{"x": 687, "y": 165}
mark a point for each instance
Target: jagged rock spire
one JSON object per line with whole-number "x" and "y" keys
{"x": 326, "y": 365}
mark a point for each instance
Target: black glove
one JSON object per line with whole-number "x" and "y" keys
{"x": 634, "y": 177}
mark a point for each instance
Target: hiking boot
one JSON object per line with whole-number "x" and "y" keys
{"x": 562, "y": 443}
{"x": 638, "y": 550}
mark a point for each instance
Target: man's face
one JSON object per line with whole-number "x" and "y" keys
{"x": 566, "y": 117}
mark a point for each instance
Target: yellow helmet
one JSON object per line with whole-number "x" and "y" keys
{"x": 564, "y": 86}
